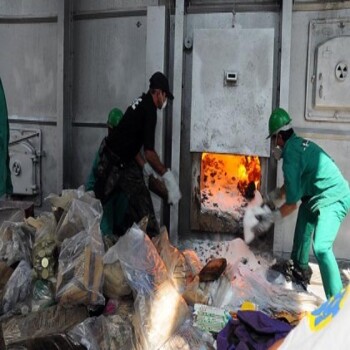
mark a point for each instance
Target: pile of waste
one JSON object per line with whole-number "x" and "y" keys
{"x": 64, "y": 286}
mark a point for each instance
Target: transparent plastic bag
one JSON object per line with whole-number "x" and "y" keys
{"x": 80, "y": 270}
{"x": 252, "y": 285}
{"x": 16, "y": 241}
{"x": 173, "y": 259}
{"x": 159, "y": 308}
{"x": 188, "y": 337}
{"x": 193, "y": 261}
{"x": 18, "y": 289}
{"x": 43, "y": 295}
{"x": 104, "y": 333}
{"x": 115, "y": 283}
{"x": 80, "y": 216}
{"x": 45, "y": 329}
{"x": 64, "y": 200}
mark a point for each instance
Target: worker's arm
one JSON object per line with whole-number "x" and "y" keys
{"x": 287, "y": 209}
{"x": 153, "y": 159}
{"x": 266, "y": 219}
{"x": 140, "y": 160}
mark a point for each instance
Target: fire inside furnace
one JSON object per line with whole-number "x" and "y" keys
{"x": 228, "y": 181}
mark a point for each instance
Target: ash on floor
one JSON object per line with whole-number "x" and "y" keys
{"x": 260, "y": 252}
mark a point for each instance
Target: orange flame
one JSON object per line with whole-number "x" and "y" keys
{"x": 220, "y": 172}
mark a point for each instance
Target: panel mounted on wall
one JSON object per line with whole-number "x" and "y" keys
{"x": 25, "y": 162}
{"x": 232, "y": 90}
{"x": 328, "y": 81}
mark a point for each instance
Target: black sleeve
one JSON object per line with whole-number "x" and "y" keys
{"x": 149, "y": 130}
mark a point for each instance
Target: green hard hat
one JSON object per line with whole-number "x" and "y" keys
{"x": 278, "y": 119}
{"x": 114, "y": 117}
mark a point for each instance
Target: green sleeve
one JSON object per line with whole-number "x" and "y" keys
{"x": 5, "y": 182}
{"x": 90, "y": 182}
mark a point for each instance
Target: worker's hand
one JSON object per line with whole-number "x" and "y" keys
{"x": 174, "y": 194}
{"x": 147, "y": 172}
{"x": 91, "y": 193}
{"x": 266, "y": 219}
{"x": 272, "y": 198}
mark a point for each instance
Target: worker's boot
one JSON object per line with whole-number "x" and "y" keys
{"x": 285, "y": 267}
{"x": 302, "y": 276}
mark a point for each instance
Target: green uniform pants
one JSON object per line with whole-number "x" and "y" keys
{"x": 323, "y": 227}
{"x": 113, "y": 214}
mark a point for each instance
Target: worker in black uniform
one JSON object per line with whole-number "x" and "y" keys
{"x": 124, "y": 167}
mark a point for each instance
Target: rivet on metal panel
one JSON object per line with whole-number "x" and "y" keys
{"x": 188, "y": 42}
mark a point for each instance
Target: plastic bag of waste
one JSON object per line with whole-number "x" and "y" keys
{"x": 65, "y": 199}
{"x": 193, "y": 261}
{"x": 80, "y": 216}
{"x": 16, "y": 241}
{"x": 115, "y": 283}
{"x": 247, "y": 284}
{"x": 80, "y": 268}
{"x": 18, "y": 289}
{"x": 173, "y": 259}
{"x": 43, "y": 294}
{"x": 188, "y": 337}
{"x": 104, "y": 333}
{"x": 159, "y": 308}
{"x": 43, "y": 330}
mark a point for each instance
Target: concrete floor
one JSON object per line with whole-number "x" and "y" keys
{"x": 316, "y": 286}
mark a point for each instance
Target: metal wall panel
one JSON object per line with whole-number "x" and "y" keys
{"x": 28, "y": 68}
{"x": 37, "y": 8}
{"x": 109, "y": 71}
{"x": 109, "y": 66}
{"x": 327, "y": 93}
{"x": 225, "y": 110}
{"x": 105, "y": 5}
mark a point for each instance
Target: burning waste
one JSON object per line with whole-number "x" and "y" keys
{"x": 228, "y": 180}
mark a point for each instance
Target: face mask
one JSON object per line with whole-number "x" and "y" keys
{"x": 164, "y": 103}
{"x": 277, "y": 152}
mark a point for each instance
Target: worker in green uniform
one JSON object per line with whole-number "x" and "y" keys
{"x": 5, "y": 179}
{"x": 312, "y": 177}
{"x": 115, "y": 208}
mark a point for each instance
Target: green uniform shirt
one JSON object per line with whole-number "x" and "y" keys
{"x": 310, "y": 173}
{"x": 5, "y": 174}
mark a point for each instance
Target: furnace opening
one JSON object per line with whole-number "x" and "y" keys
{"x": 227, "y": 181}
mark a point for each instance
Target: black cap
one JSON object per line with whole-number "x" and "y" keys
{"x": 159, "y": 81}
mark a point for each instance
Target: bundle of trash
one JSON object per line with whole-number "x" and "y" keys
{"x": 62, "y": 287}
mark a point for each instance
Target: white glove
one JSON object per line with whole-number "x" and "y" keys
{"x": 91, "y": 194}
{"x": 174, "y": 194}
{"x": 266, "y": 219}
{"x": 273, "y": 197}
{"x": 147, "y": 172}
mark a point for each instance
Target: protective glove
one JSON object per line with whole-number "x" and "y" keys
{"x": 147, "y": 172}
{"x": 272, "y": 198}
{"x": 266, "y": 219}
{"x": 174, "y": 194}
{"x": 91, "y": 194}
